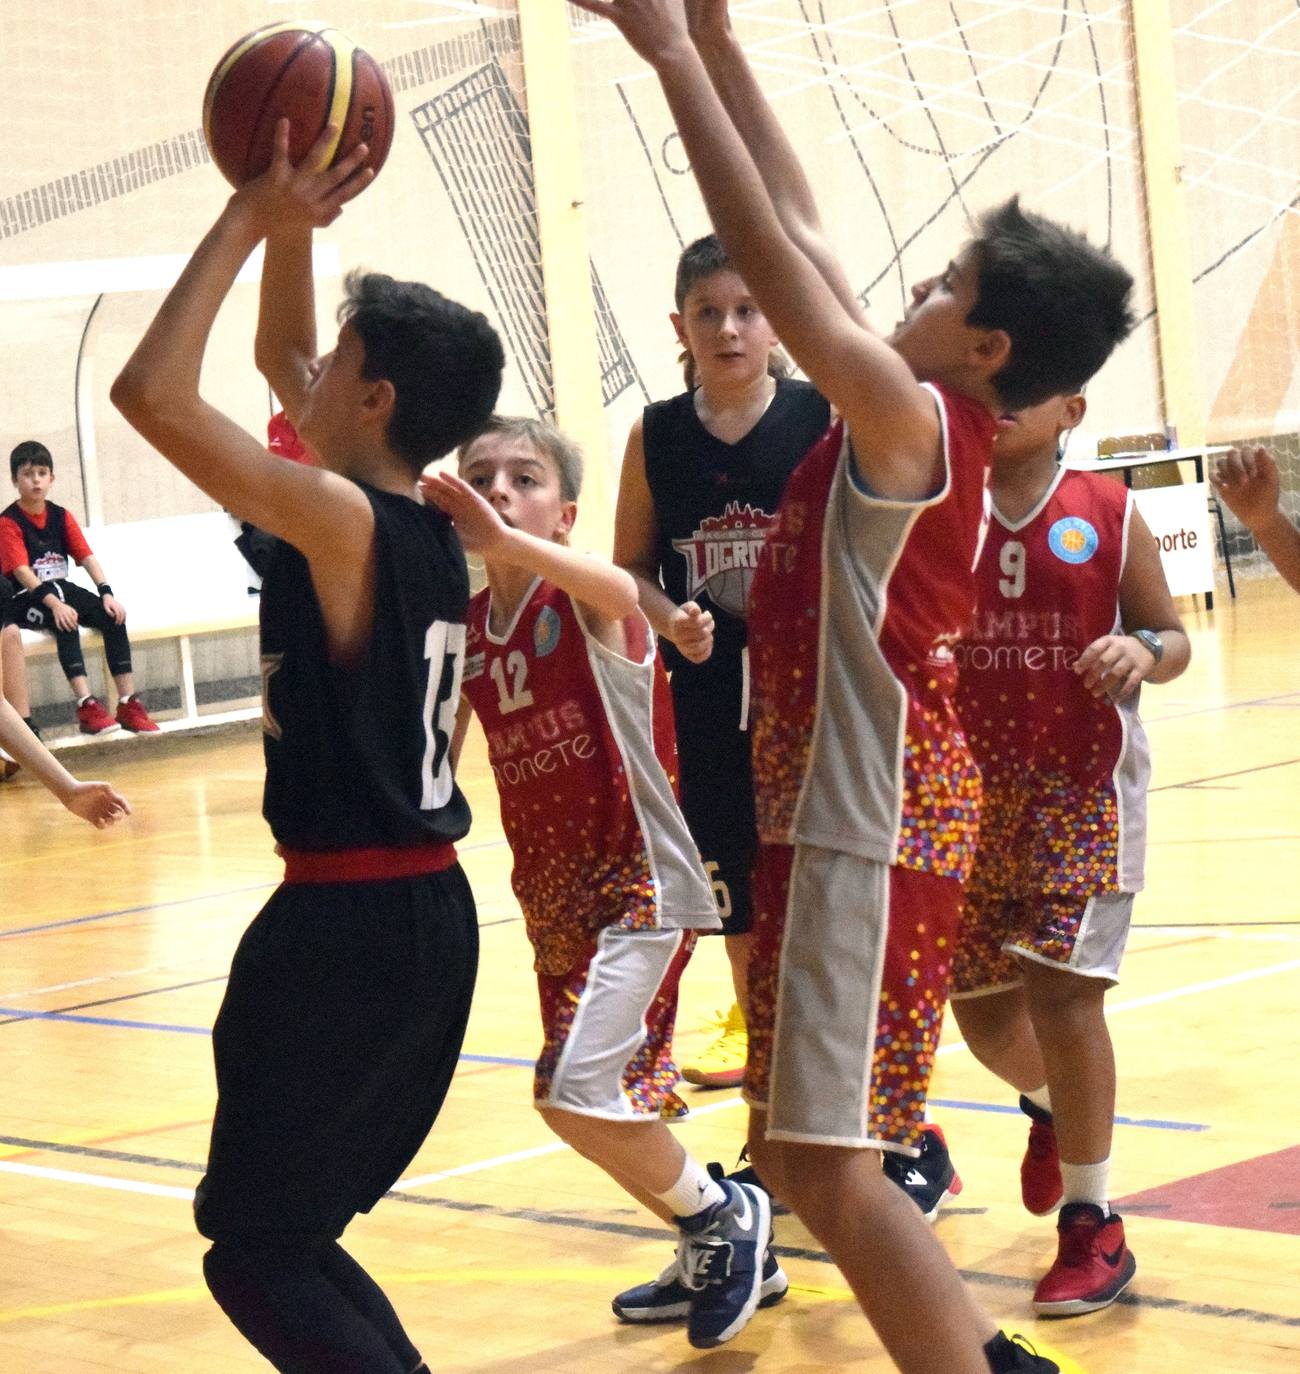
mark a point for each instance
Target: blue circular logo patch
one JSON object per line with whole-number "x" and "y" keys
{"x": 1072, "y": 539}
{"x": 546, "y": 631}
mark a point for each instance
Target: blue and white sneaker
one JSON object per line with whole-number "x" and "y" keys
{"x": 667, "y": 1298}
{"x": 720, "y": 1259}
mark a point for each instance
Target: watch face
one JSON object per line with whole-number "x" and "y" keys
{"x": 1151, "y": 640}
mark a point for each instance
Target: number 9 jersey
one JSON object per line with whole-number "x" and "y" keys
{"x": 358, "y": 755}
{"x": 1065, "y": 775}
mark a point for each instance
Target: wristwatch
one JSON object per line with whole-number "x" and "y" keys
{"x": 1150, "y": 640}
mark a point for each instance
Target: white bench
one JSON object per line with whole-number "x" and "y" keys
{"x": 179, "y": 578}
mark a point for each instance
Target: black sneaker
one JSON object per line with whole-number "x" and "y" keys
{"x": 746, "y": 1174}
{"x": 667, "y": 1298}
{"x": 1014, "y": 1355}
{"x": 930, "y": 1180}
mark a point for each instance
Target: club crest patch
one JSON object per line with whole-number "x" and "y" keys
{"x": 1072, "y": 539}
{"x": 723, "y": 555}
{"x": 546, "y": 631}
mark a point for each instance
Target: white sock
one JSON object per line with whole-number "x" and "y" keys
{"x": 693, "y": 1191}
{"x": 1040, "y": 1097}
{"x": 1087, "y": 1183}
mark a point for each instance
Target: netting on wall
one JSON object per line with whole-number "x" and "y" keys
{"x": 1238, "y": 73}
{"x": 106, "y": 186}
{"x": 912, "y": 116}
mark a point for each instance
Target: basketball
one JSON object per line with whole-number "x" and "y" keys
{"x": 310, "y": 74}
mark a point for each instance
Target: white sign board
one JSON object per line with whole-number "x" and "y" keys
{"x": 1179, "y": 518}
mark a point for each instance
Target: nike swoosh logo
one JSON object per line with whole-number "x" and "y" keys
{"x": 1114, "y": 1258}
{"x": 746, "y": 1211}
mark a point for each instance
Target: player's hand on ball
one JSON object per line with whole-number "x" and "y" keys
{"x": 479, "y": 526}
{"x": 97, "y": 803}
{"x": 310, "y": 195}
{"x": 1249, "y": 483}
{"x": 690, "y": 628}
{"x": 654, "y": 28}
{"x": 1114, "y": 666}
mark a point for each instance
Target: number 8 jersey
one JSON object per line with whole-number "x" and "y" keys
{"x": 581, "y": 744}
{"x": 358, "y": 755}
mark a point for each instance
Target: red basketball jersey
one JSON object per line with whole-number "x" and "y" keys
{"x": 855, "y": 610}
{"x": 582, "y": 748}
{"x": 1065, "y": 774}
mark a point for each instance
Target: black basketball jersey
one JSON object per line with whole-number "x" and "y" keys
{"x": 47, "y": 549}
{"x": 713, "y": 504}
{"x": 359, "y": 755}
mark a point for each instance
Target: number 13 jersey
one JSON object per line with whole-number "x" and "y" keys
{"x": 358, "y": 755}
{"x": 581, "y": 744}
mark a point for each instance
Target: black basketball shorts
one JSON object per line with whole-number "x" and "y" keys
{"x": 340, "y": 1029}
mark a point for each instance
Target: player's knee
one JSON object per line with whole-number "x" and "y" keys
{"x": 989, "y": 1030}
{"x": 1060, "y": 992}
{"x": 231, "y": 1266}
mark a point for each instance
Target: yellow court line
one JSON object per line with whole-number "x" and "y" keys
{"x": 62, "y": 1309}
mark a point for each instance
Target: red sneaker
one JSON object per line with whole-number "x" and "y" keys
{"x": 1093, "y": 1263}
{"x": 1041, "y": 1188}
{"x": 132, "y": 716}
{"x": 93, "y": 718}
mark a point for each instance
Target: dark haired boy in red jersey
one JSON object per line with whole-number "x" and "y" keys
{"x": 866, "y": 792}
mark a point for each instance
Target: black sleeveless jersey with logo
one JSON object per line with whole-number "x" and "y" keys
{"x": 46, "y": 547}
{"x": 714, "y": 501}
{"x": 359, "y": 756}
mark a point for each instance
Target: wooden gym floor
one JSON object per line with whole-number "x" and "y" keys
{"x": 503, "y": 1248}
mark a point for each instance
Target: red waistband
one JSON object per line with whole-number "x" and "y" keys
{"x": 364, "y": 865}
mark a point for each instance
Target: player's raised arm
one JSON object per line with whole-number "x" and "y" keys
{"x": 891, "y": 417}
{"x": 285, "y": 346}
{"x": 158, "y": 389}
{"x": 788, "y": 187}
{"x": 595, "y": 582}
{"x": 1248, "y": 480}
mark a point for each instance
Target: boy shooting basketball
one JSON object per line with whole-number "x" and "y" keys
{"x": 866, "y": 792}
{"x": 349, "y": 993}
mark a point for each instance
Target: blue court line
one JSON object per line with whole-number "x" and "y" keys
{"x": 26, "y": 1014}
{"x": 133, "y": 910}
{"x": 1004, "y": 1110}
{"x": 509, "y": 1062}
